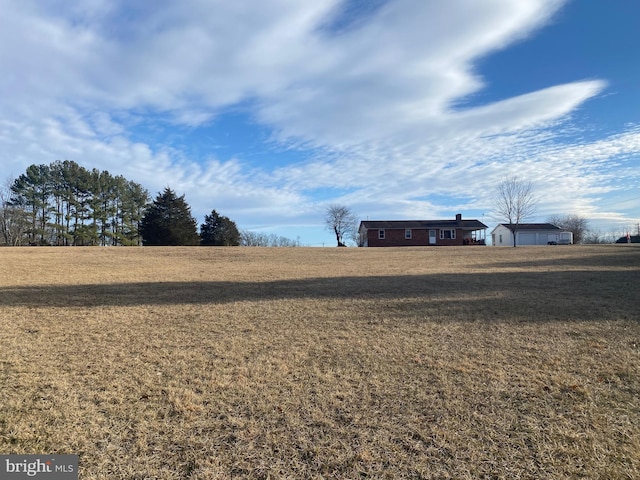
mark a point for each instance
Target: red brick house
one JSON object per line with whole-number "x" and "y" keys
{"x": 405, "y": 233}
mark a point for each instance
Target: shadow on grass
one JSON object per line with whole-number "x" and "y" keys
{"x": 579, "y": 295}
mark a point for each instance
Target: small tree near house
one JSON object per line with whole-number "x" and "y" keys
{"x": 341, "y": 221}
{"x": 515, "y": 202}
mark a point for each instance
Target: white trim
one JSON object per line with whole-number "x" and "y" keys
{"x": 452, "y": 235}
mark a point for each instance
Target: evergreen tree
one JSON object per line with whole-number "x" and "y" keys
{"x": 64, "y": 175}
{"x": 218, "y": 230}
{"x": 131, "y": 203}
{"x": 31, "y": 192}
{"x": 168, "y": 221}
{"x": 82, "y": 188}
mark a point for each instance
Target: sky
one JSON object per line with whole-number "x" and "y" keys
{"x": 270, "y": 110}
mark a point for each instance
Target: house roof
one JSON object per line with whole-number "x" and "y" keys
{"x": 531, "y": 226}
{"x": 422, "y": 224}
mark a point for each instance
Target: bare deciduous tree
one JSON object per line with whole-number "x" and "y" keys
{"x": 13, "y": 220}
{"x": 515, "y": 202}
{"x": 257, "y": 239}
{"x": 341, "y": 221}
{"x": 597, "y": 236}
{"x": 571, "y": 223}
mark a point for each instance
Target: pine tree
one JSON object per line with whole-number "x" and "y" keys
{"x": 130, "y": 208}
{"x": 168, "y": 221}
{"x": 31, "y": 191}
{"x": 218, "y": 230}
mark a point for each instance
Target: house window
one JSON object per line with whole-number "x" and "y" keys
{"x": 447, "y": 234}
{"x": 500, "y": 237}
{"x": 407, "y": 234}
{"x": 381, "y": 234}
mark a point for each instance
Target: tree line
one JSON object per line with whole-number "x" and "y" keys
{"x": 65, "y": 204}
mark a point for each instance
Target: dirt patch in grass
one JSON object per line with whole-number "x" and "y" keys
{"x": 206, "y": 363}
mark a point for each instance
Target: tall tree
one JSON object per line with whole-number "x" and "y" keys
{"x": 341, "y": 221}
{"x": 131, "y": 204}
{"x": 136, "y": 200}
{"x": 218, "y": 230}
{"x": 64, "y": 175}
{"x": 31, "y": 191}
{"x": 571, "y": 223}
{"x": 515, "y": 202}
{"x": 103, "y": 204}
{"x": 168, "y": 221}
{"x": 84, "y": 230}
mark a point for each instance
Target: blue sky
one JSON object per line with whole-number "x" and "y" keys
{"x": 269, "y": 110}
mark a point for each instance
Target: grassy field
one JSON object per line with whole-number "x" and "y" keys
{"x": 216, "y": 363}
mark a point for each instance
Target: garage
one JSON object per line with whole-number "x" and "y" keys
{"x": 527, "y": 238}
{"x": 528, "y": 234}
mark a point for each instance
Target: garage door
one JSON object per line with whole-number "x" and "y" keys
{"x": 527, "y": 238}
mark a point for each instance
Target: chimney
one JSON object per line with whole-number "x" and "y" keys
{"x": 459, "y": 217}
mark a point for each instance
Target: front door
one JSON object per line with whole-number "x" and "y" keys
{"x": 432, "y": 237}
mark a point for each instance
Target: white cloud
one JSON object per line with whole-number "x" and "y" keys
{"x": 401, "y": 70}
{"x": 527, "y": 111}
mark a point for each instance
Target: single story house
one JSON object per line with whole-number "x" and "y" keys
{"x": 530, "y": 234}
{"x": 403, "y": 233}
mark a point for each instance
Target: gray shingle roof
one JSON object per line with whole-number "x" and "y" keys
{"x": 422, "y": 224}
{"x": 533, "y": 226}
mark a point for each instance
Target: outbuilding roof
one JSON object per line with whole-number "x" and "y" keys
{"x": 531, "y": 226}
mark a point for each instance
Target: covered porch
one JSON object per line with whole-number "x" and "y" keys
{"x": 475, "y": 237}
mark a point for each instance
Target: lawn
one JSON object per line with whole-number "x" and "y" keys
{"x": 216, "y": 363}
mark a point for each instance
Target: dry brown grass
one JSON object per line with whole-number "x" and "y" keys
{"x": 205, "y": 363}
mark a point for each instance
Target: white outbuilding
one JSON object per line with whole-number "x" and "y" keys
{"x": 530, "y": 234}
